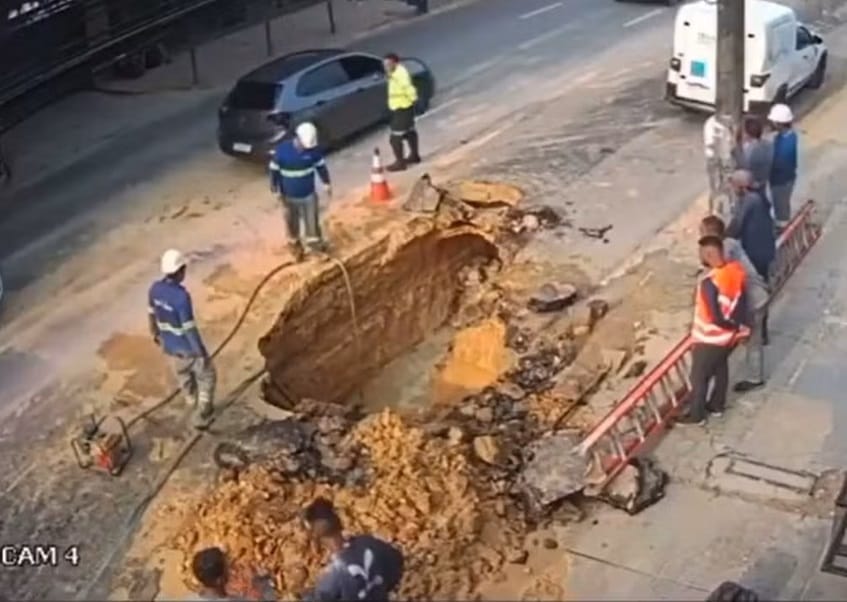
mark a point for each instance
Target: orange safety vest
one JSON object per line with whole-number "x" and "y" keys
{"x": 729, "y": 281}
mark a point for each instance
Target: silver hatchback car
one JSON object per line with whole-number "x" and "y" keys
{"x": 343, "y": 93}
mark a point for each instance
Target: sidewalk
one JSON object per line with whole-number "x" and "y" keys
{"x": 713, "y": 525}
{"x": 83, "y": 125}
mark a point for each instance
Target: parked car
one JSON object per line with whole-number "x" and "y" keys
{"x": 343, "y": 93}
{"x": 783, "y": 56}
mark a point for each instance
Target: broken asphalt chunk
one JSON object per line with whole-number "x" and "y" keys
{"x": 553, "y": 297}
{"x": 640, "y": 485}
{"x": 552, "y": 470}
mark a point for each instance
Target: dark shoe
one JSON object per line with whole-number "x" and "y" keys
{"x": 396, "y": 166}
{"x": 747, "y": 385}
{"x": 414, "y": 159}
{"x": 202, "y": 418}
{"x": 296, "y": 249}
{"x": 688, "y": 420}
{"x": 715, "y": 413}
{"x": 318, "y": 246}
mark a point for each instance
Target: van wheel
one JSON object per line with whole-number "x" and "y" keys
{"x": 817, "y": 78}
{"x": 781, "y": 97}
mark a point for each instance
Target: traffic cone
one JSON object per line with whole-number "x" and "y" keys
{"x": 380, "y": 193}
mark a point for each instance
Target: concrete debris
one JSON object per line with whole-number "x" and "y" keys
{"x": 635, "y": 369}
{"x": 535, "y": 372}
{"x": 455, "y": 436}
{"x": 531, "y": 219}
{"x": 487, "y": 449}
{"x": 551, "y": 471}
{"x": 553, "y": 297}
{"x": 424, "y": 197}
{"x": 641, "y": 484}
{"x": 518, "y": 339}
{"x": 519, "y": 556}
{"x": 549, "y": 543}
{"x": 479, "y": 193}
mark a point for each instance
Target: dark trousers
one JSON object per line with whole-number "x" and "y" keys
{"x": 709, "y": 364}
{"x": 402, "y": 126}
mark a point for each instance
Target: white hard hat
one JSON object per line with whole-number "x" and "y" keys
{"x": 307, "y": 133}
{"x": 781, "y": 114}
{"x": 172, "y": 262}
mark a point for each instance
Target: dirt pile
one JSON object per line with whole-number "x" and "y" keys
{"x": 421, "y": 494}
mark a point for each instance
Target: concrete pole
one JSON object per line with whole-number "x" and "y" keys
{"x": 729, "y": 105}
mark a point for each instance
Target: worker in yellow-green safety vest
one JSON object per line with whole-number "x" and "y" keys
{"x": 402, "y": 97}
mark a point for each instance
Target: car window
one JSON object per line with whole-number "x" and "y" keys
{"x": 323, "y": 78}
{"x": 254, "y": 96}
{"x": 804, "y": 38}
{"x": 360, "y": 67}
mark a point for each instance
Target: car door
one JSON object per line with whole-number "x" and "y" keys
{"x": 805, "y": 58}
{"x": 369, "y": 99}
{"x": 324, "y": 92}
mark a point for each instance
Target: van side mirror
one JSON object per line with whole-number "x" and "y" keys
{"x": 816, "y": 39}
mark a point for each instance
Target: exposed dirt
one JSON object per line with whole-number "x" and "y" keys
{"x": 135, "y": 367}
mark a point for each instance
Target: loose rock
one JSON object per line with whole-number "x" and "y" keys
{"x": 552, "y": 297}
{"x": 518, "y": 556}
{"x": 487, "y": 449}
{"x": 550, "y": 543}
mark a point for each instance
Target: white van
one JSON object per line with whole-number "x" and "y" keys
{"x": 782, "y": 56}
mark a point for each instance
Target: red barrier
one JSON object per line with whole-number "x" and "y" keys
{"x": 644, "y": 413}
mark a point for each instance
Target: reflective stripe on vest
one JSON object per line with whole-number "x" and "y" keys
{"x": 296, "y": 173}
{"x": 729, "y": 281}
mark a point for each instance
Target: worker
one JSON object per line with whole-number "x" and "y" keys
{"x": 402, "y": 97}
{"x": 784, "y": 167}
{"x": 172, "y": 325}
{"x": 720, "y": 319}
{"x": 751, "y": 222}
{"x": 755, "y": 153}
{"x": 292, "y": 172}
{"x": 757, "y": 294}
{"x": 363, "y": 567}
{"x": 713, "y": 132}
{"x": 210, "y": 569}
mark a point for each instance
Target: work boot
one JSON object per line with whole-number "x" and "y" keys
{"x": 412, "y": 139}
{"x": 317, "y": 246}
{"x": 202, "y": 418}
{"x": 396, "y": 143}
{"x": 397, "y": 166}
{"x": 689, "y": 420}
{"x": 746, "y": 386}
{"x": 296, "y": 249}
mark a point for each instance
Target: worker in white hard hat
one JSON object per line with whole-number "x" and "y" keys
{"x": 784, "y": 166}
{"x": 292, "y": 171}
{"x": 173, "y": 327}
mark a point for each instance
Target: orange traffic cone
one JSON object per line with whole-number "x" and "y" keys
{"x": 380, "y": 193}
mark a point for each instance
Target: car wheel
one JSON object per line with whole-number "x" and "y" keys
{"x": 818, "y": 77}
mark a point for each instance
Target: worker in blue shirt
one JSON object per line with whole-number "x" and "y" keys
{"x": 173, "y": 328}
{"x": 362, "y": 567}
{"x": 784, "y": 166}
{"x": 292, "y": 172}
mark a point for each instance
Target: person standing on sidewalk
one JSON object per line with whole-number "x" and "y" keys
{"x": 713, "y": 132}
{"x": 784, "y": 167}
{"x": 719, "y": 322}
{"x": 757, "y": 295}
{"x": 402, "y": 97}
{"x": 756, "y": 153}
{"x": 172, "y": 325}
{"x": 751, "y": 222}
{"x": 292, "y": 171}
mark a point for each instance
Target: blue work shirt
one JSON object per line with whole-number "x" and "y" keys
{"x": 170, "y": 305}
{"x": 366, "y": 568}
{"x": 293, "y": 169}
{"x": 784, "y": 166}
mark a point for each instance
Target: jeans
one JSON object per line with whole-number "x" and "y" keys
{"x": 781, "y": 197}
{"x": 709, "y": 364}
{"x": 197, "y": 379}
{"x": 755, "y": 347}
{"x": 302, "y": 218}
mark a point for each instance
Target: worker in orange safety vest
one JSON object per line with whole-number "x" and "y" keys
{"x": 720, "y": 321}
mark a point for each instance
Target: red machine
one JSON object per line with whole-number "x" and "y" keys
{"x": 103, "y": 445}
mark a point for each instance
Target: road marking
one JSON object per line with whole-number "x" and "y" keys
{"x": 441, "y": 106}
{"x": 653, "y": 13}
{"x": 541, "y": 11}
{"x": 480, "y": 67}
{"x": 793, "y": 379}
{"x": 545, "y": 36}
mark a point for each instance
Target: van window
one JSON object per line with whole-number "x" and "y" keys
{"x": 780, "y": 43}
{"x": 804, "y": 38}
{"x": 254, "y": 96}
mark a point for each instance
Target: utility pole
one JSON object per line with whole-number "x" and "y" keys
{"x": 729, "y": 101}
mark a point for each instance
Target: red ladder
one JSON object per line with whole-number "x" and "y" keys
{"x": 643, "y": 415}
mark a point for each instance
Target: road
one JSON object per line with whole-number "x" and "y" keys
{"x": 564, "y": 95}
